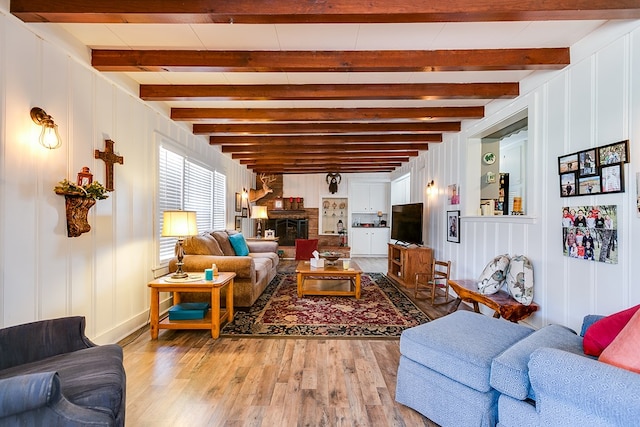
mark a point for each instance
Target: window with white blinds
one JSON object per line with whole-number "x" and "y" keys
{"x": 189, "y": 186}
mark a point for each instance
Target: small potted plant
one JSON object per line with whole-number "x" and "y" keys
{"x": 78, "y": 200}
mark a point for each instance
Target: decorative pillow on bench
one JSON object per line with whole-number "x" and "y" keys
{"x": 519, "y": 279}
{"x": 493, "y": 275}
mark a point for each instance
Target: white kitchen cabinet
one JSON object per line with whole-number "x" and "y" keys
{"x": 369, "y": 197}
{"x": 369, "y": 240}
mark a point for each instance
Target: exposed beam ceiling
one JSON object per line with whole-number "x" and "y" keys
{"x": 307, "y": 86}
{"x": 313, "y": 11}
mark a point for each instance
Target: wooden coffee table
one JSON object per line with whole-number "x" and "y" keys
{"x": 212, "y": 319}
{"x": 328, "y": 280}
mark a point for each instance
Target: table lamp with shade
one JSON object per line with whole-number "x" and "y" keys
{"x": 179, "y": 224}
{"x": 259, "y": 213}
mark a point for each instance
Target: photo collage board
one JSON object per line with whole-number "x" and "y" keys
{"x": 590, "y": 233}
{"x": 594, "y": 171}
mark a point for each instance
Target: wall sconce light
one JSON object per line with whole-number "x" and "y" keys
{"x": 430, "y": 186}
{"x": 49, "y": 137}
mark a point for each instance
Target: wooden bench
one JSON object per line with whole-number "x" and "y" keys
{"x": 501, "y": 302}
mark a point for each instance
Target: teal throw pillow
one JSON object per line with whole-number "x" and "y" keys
{"x": 239, "y": 244}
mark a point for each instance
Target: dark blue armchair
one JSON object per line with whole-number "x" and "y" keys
{"x": 52, "y": 374}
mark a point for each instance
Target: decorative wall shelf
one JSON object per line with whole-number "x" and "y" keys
{"x": 78, "y": 200}
{"x": 77, "y": 209}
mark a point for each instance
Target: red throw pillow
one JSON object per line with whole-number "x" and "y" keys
{"x": 623, "y": 350}
{"x": 602, "y": 332}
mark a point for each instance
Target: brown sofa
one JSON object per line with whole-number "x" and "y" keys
{"x": 253, "y": 272}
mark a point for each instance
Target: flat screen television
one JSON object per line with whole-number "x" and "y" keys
{"x": 406, "y": 223}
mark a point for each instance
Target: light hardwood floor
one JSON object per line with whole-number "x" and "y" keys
{"x": 186, "y": 378}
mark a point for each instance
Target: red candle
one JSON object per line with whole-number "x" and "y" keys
{"x": 290, "y": 199}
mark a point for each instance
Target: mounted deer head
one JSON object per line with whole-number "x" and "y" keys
{"x": 259, "y": 194}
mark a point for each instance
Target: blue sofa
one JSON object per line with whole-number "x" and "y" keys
{"x": 467, "y": 369}
{"x": 51, "y": 374}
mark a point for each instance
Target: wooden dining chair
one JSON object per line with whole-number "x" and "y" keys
{"x": 437, "y": 278}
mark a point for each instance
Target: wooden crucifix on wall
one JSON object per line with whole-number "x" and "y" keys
{"x": 109, "y": 158}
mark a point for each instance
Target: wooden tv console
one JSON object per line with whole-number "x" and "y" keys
{"x": 405, "y": 261}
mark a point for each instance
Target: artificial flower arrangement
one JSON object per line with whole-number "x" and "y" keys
{"x": 94, "y": 190}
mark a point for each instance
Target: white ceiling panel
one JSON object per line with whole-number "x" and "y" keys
{"x": 95, "y": 35}
{"x": 168, "y": 36}
{"x": 317, "y": 37}
{"x": 398, "y": 36}
{"x": 237, "y": 37}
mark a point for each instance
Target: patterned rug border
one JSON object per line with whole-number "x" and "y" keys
{"x": 244, "y": 323}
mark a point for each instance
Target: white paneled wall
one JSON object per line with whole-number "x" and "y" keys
{"x": 101, "y": 274}
{"x": 593, "y": 102}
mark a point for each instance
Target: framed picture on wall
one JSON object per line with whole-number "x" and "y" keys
{"x": 587, "y": 162}
{"x": 568, "y": 184}
{"x": 589, "y": 185}
{"x": 245, "y": 212}
{"x": 614, "y": 153}
{"x": 568, "y": 163}
{"x": 453, "y": 226}
{"x": 238, "y": 202}
{"x": 612, "y": 178}
{"x": 238, "y": 223}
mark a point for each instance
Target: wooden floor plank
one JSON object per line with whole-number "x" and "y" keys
{"x": 185, "y": 378}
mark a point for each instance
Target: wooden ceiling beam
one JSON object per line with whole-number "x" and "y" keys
{"x": 343, "y": 169}
{"x": 386, "y": 155}
{"x": 327, "y": 148}
{"x": 322, "y": 161}
{"x": 317, "y": 92}
{"x": 326, "y": 114}
{"x": 303, "y": 128}
{"x": 320, "y": 140}
{"x": 330, "y": 61}
{"x": 325, "y": 165}
{"x": 312, "y": 11}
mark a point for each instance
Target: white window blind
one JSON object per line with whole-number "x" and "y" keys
{"x": 198, "y": 194}
{"x": 186, "y": 185}
{"x": 170, "y": 188}
{"x": 219, "y": 201}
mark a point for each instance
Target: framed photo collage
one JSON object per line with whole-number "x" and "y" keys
{"x": 594, "y": 171}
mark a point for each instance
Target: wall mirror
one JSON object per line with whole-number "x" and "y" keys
{"x": 503, "y": 169}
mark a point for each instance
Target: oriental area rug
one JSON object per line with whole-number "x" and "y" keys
{"x": 383, "y": 311}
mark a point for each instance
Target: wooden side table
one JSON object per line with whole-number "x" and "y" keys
{"x": 212, "y": 319}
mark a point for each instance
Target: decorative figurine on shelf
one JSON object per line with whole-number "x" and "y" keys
{"x": 333, "y": 179}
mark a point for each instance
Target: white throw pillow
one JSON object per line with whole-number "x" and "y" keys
{"x": 493, "y": 275}
{"x": 520, "y": 279}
